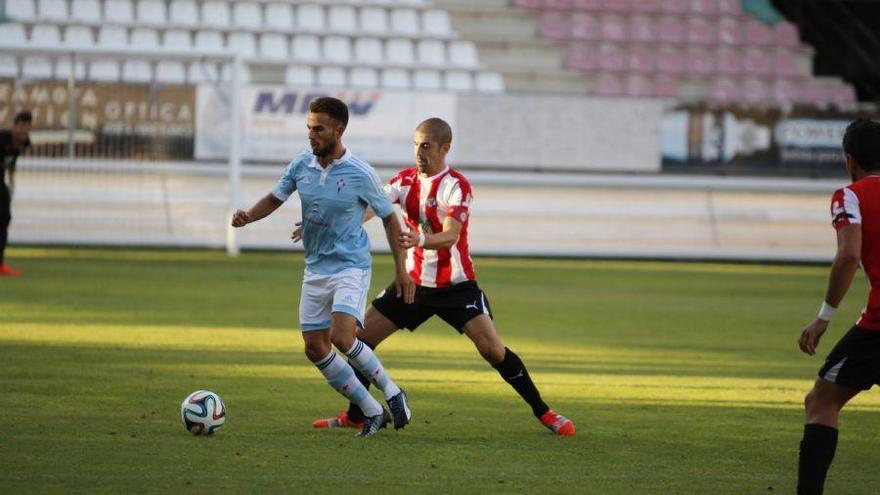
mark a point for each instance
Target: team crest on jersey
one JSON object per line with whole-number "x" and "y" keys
{"x": 463, "y": 217}
{"x": 305, "y": 180}
{"x": 431, "y": 202}
{"x": 339, "y": 185}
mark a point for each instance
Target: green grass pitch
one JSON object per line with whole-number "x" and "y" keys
{"x": 681, "y": 378}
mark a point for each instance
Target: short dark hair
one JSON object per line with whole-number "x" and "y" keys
{"x": 23, "y": 118}
{"x": 438, "y": 127}
{"x": 334, "y": 107}
{"x": 862, "y": 141}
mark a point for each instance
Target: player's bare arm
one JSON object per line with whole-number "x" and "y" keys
{"x": 261, "y": 209}
{"x": 438, "y": 240}
{"x": 843, "y": 270}
{"x": 404, "y": 285}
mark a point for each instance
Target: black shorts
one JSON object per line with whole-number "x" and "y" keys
{"x": 456, "y": 305}
{"x": 855, "y": 360}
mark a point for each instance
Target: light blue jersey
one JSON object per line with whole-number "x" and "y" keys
{"x": 334, "y": 200}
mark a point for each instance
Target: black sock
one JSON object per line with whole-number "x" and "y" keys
{"x": 355, "y": 414}
{"x": 817, "y": 452}
{"x": 514, "y": 372}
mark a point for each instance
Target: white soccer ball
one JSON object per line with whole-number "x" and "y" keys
{"x": 203, "y": 412}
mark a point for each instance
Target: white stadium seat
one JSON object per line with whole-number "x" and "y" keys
{"x": 279, "y": 16}
{"x": 368, "y": 50}
{"x": 8, "y": 66}
{"x": 112, "y": 37}
{"x": 244, "y": 73}
{"x": 374, "y": 20}
{"x": 144, "y": 39}
{"x": 151, "y": 11}
{"x": 405, "y": 21}
{"x": 431, "y": 52}
{"x": 104, "y": 70}
{"x": 337, "y": 49}
{"x": 363, "y": 77}
{"x": 299, "y": 75}
{"x": 273, "y": 45}
{"x": 331, "y": 76}
{"x": 436, "y": 22}
{"x": 78, "y": 37}
{"x": 457, "y": 80}
{"x": 427, "y": 79}
{"x": 490, "y": 82}
{"x": 12, "y": 34}
{"x": 62, "y": 69}
{"x": 342, "y": 18}
{"x": 208, "y": 41}
{"x": 85, "y": 10}
{"x": 170, "y": 72}
{"x": 137, "y": 71}
{"x": 202, "y": 72}
{"x": 463, "y": 54}
{"x": 36, "y": 67}
{"x": 247, "y": 15}
{"x": 43, "y": 35}
{"x": 395, "y": 79}
{"x": 119, "y": 11}
{"x": 399, "y": 51}
{"x": 310, "y": 17}
{"x": 177, "y": 40}
{"x": 305, "y": 47}
{"x": 184, "y": 12}
{"x": 215, "y": 14}
{"x": 245, "y": 44}
{"x": 21, "y": 9}
{"x": 55, "y": 10}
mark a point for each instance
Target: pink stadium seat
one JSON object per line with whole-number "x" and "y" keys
{"x": 608, "y": 85}
{"x": 585, "y": 27}
{"x": 671, "y": 30}
{"x": 674, "y": 6}
{"x": 755, "y": 90}
{"x": 612, "y": 58}
{"x": 785, "y": 63}
{"x": 733, "y": 7}
{"x": 640, "y": 59}
{"x": 669, "y": 60}
{"x": 638, "y": 86}
{"x": 666, "y": 87}
{"x": 616, "y": 5}
{"x": 758, "y": 33}
{"x": 700, "y": 31}
{"x": 529, "y": 4}
{"x": 587, "y": 5}
{"x": 757, "y": 62}
{"x": 613, "y": 28}
{"x": 699, "y": 62}
{"x": 642, "y": 29}
{"x": 728, "y": 61}
{"x": 729, "y": 31}
{"x": 561, "y": 5}
{"x": 843, "y": 93}
{"x": 703, "y": 7}
{"x": 785, "y": 90}
{"x": 582, "y": 58}
{"x": 813, "y": 91}
{"x": 725, "y": 90}
{"x": 555, "y": 27}
{"x": 786, "y": 34}
{"x": 645, "y": 6}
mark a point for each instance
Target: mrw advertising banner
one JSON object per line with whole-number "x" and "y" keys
{"x": 273, "y": 121}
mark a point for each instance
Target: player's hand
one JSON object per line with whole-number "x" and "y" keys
{"x": 405, "y": 287}
{"x": 297, "y": 232}
{"x": 809, "y": 340}
{"x": 240, "y": 218}
{"x": 409, "y": 239}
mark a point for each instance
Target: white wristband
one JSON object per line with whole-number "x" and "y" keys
{"x": 421, "y": 240}
{"x": 826, "y": 312}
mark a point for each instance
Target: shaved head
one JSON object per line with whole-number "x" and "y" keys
{"x": 438, "y": 129}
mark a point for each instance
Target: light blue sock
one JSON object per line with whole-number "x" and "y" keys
{"x": 362, "y": 357}
{"x": 341, "y": 377}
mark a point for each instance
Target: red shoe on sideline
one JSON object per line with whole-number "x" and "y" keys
{"x": 8, "y": 271}
{"x": 340, "y": 421}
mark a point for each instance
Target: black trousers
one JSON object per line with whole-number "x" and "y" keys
{"x": 5, "y": 217}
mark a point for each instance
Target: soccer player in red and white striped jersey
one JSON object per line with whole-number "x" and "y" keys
{"x": 436, "y": 201}
{"x": 853, "y": 365}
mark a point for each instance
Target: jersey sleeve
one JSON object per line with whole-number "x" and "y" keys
{"x": 845, "y": 208}
{"x": 287, "y": 183}
{"x": 459, "y": 202}
{"x": 375, "y": 195}
{"x": 394, "y": 188}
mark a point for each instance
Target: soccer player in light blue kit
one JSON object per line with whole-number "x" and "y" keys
{"x": 335, "y": 188}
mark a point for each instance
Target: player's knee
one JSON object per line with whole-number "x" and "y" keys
{"x": 810, "y": 400}
{"x": 491, "y": 352}
{"x": 315, "y": 351}
{"x": 342, "y": 341}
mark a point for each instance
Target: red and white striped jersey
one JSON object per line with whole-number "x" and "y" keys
{"x": 859, "y": 203}
{"x": 426, "y": 203}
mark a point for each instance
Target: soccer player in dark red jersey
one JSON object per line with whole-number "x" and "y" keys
{"x": 436, "y": 201}
{"x": 854, "y": 363}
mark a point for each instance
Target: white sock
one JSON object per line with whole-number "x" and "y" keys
{"x": 341, "y": 377}
{"x": 362, "y": 357}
